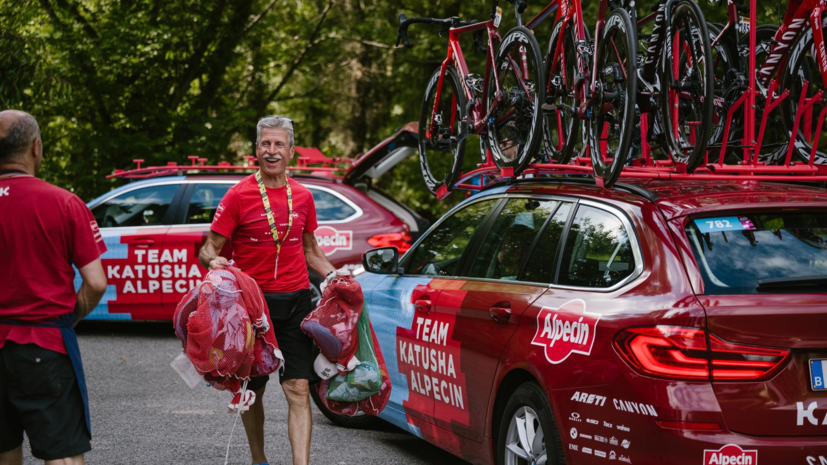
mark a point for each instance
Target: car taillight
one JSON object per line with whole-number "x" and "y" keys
{"x": 683, "y": 353}
{"x": 400, "y": 240}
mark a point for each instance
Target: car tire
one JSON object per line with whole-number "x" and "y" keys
{"x": 358, "y": 421}
{"x": 529, "y": 402}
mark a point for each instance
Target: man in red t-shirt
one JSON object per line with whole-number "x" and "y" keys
{"x": 279, "y": 268}
{"x": 44, "y": 232}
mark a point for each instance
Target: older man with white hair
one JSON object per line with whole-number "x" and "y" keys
{"x": 270, "y": 219}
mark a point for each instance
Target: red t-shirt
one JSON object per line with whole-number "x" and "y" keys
{"x": 240, "y": 217}
{"x": 44, "y": 230}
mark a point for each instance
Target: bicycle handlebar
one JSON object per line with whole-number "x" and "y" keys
{"x": 405, "y": 22}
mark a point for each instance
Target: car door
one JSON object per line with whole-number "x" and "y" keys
{"x": 134, "y": 223}
{"x": 185, "y": 239}
{"x": 572, "y": 323}
{"x": 478, "y": 313}
{"x": 402, "y": 312}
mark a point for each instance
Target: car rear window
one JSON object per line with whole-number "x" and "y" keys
{"x": 761, "y": 252}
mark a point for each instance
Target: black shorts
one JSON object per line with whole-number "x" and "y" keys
{"x": 286, "y": 313}
{"x": 39, "y": 394}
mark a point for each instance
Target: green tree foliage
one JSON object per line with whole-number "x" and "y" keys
{"x": 114, "y": 80}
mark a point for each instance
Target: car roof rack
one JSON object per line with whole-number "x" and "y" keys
{"x": 585, "y": 180}
{"x": 310, "y": 160}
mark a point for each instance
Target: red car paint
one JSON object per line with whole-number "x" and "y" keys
{"x": 605, "y": 409}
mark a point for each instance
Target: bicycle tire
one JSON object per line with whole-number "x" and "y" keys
{"x": 620, "y": 86}
{"x": 438, "y": 171}
{"x": 800, "y": 54}
{"x": 516, "y": 148}
{"x": 688, "y": 19}
{"x": 726, "y": 72}
{"x": 561, "y": 130}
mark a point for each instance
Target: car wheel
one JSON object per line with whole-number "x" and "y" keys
{"x": 359, "y": 420}
{"x": 528, "y": 432}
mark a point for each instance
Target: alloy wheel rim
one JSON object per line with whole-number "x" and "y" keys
{"x": 525, "y": 441}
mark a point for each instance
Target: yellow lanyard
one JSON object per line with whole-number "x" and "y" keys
{"x": 272, "y": 220}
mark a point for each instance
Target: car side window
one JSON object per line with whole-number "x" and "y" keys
{"x": 542, "y": 263}
{"x": 440, "y": 252}
{"x": 204, "y": 201}
{"x": 140, "y": 207}
{"x": 330, "y": 207}
{"x": 508, "y": 243}
{"x": 598, "y": 251}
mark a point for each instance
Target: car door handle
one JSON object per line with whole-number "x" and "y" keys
{"x": 423, "y": 305}
{"x": 500, "y": 314}
{"x": 143, "y": 242}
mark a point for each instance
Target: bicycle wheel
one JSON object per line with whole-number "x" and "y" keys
{"x": 803, "y": 66}
{"x": 560, "y": 126}
{"x": 442, "y": 126}
{"x": 688, "y": 97}
{"x": 613, "y": 107}
{"x": 728, "y": 85}
{"x": 516, "y": 92}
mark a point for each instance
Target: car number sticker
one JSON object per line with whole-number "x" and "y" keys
{"x": 725, "y": 223}
{"x": 817, "y": 369}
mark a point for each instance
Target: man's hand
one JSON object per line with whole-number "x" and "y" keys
{"x": 208, "y": 256}
{"x": 218, "y": 263}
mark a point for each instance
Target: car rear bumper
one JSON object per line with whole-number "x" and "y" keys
{"x": 623, "y": 422}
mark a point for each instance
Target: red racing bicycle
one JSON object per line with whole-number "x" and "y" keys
{"x": 502, "y": 106}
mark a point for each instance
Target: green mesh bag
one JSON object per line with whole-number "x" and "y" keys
{"x": 363, "y": 381}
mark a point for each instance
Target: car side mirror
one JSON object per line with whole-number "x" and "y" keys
{"x": 384, "y": 260}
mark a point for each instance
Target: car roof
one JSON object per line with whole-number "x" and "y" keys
{"x": 680, "y": 198}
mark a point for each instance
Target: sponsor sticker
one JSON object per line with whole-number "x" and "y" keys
{"x": 730, "y": 454}
{"x": 330, "y": 239}
{"x": 573, "y": 433}
{"x": 587, "y": 450}
{"x": 589, "y": 399}
{"x": 575, "y": 417}
{"x": 820, "y": 460}
{"x": 565, "y": 330}
{"x": 599, "y": 453}
{"x": 808, "y": 413}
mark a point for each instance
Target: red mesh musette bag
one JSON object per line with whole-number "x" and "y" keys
{"x": 332, "y": 324}
{"x": 225, "y": 330}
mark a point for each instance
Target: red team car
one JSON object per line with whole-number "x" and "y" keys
{"x": 154, "y": 228}
{"x": 549, "y": 321}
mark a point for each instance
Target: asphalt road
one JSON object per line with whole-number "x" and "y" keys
{"x": 144, "y": 413}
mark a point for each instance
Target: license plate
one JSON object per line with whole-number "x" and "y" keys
{"x": 818, "y": 368}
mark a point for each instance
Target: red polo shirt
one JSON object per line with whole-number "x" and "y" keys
{"x": 44, "y": 230}
{"x": 240, "y": 217}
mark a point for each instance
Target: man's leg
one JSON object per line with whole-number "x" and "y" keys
{"x": 76, "y": 460}
{"x": 253, "y": 420}
{"x": 12, "y": 457}
{"x": 299, "y": 419}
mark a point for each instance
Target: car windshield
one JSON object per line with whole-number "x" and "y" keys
{"x": 761, "y": 252}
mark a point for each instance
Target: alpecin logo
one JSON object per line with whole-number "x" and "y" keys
{"x": 565, "y": 330}
{"x": 730, "y": 454}
{"x": 331, "y": 240}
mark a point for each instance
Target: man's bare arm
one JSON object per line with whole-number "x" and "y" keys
{"x": 316, "y": 259}
{"x": 209, "y": 253}
{"x": 91, "y": 290}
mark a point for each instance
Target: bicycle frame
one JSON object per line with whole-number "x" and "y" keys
{"x": 791, "y": 29}
{"x": 585, "y": 83}
{"x": 455, "y": 57}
